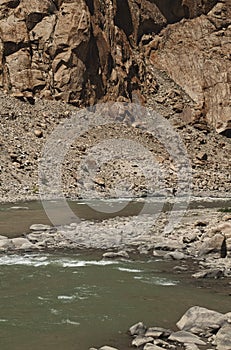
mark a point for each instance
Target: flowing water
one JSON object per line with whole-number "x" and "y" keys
{"x": 73, "y": 300}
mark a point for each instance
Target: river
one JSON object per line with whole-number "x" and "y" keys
{"x": 75, "y": 300}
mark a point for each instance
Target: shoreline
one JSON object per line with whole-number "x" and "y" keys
{"x": 201, "y": 234}
{"x": 215, "y": 195}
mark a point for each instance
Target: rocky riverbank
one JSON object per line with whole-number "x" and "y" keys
{"x": 197, "y": 327}
{"x": 202, "y": 235}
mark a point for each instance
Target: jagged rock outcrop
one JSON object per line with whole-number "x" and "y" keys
{"x": 196, "y": 55}
{"x": 89, "y": 50}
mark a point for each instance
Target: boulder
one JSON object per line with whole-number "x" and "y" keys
{"x": 141, "y": 340}
{"x": 175, "y": 256}
{"x": 157, "y": 332}
{"x": 199, "y": 319}
{"x": 138, "y": 329}
{"x": 223, "y": 338}
{"x": 40, "y": 227}
{"x": 21, "y": 243}
{"x": 150, "y": 346}
{"x": 186, "y": 337}
{"x": 5, "y": 244}
{"x": 3, "y": 237}
{"x": 213, "y": 244}
{"x": 114, "y": 255}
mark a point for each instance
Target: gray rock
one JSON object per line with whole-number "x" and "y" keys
{"x": 21, "y": 243}
{"x": 157, "y": 332}
{"x": 40, "y": 227}
{"x": 138, "y": 329}
{"x": 186, "y": 337}
{"x": 3, "y": 237}
{"x": 114, "y": 255}
{"x": 223, "y": 338}
{"x": 189, "y": 346}
{"x": 175, "y": 256}
{"x": 141, "y": 340}
{"x": 212, "y": 244}
{"x": 5, "y": 244}
{"x": 163, "y": 344}
{"x": 201, "y": 319}
{"x": 150, "y": 346}
{"x": 106, "y": 347}
{"x": 210, "y": 273}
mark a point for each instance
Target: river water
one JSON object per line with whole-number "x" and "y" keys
{"x": 75, "y": 300}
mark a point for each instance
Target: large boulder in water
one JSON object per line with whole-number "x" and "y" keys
{"x": 198, "y": 319}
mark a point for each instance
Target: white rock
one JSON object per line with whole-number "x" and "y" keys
{"x": 3, "y": 237}
{"x": 138, "y": 329}
{"x": 141, "y": 340}
{"x": 186, "y": 337}
{"x": 5, "y": 243}
{"x": 19, "y": 242}
{"x": 150, "y": 346}
{"x": 223, "y": 338}
{"x": 201, "y": 319}
{"x": 40, "y": 227}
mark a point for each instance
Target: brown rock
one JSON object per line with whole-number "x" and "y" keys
{"x": 38, "y": 133}
{"x": 213, "y": 244}
{"x": 194, "y": 63}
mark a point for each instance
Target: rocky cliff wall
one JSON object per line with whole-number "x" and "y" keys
{"x": 84, "y": 51}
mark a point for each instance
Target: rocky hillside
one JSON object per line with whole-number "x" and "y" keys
{"x": 170, "y": 55}
{"x": 89, "y": 50}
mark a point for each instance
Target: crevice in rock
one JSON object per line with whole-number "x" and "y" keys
{"x": 226, "y": 133}
{"x": 33, "y": 18}
{"x": 173, "y": 10}
{"x": 10, "y": 47}
{"x": 90, "y": 5}
{"x": 92, "y": 63}
{"x": 148, "y": 26}
{"x": 13, "y": 4}
{"x": 123, "y": 18}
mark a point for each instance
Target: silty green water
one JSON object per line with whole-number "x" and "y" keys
{"x": 75, "y": 301}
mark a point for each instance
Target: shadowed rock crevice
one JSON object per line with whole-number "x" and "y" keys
{"x": 148, "y": 26}
{"x": 90, "y": 4}
{"x": 10, "y": 47}
{"x": 123, "y": 18}
{"x": 92, "y": 79}
{"x": 13, "y": 4}
{"x": 173, "y": 10}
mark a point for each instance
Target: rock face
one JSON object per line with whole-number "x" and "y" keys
{"x": 196, "y": 55}
{"x": 90, "y": 50}
{"x": 76, "y": 51}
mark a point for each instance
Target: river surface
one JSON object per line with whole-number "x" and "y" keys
{"x": 75, "y": 301}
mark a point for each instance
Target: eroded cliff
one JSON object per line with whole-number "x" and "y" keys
{"x": 87, "y": 51}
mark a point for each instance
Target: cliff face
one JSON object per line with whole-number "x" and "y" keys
{"x": 83, "y": 51}
{"x": 197, "y": 55}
